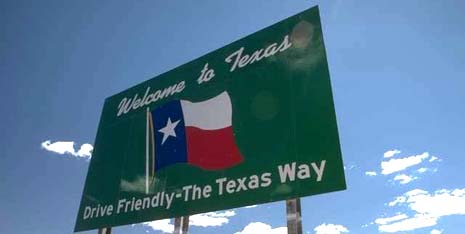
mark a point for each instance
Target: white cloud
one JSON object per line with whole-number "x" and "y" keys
{"x": 252, "y": 206}
{"x": 262, "y": 228}
{"x": 418, "y": 221}
{"x": 163, "y": 225}
{"x": 60, "y": 147}
{"x": 404, "y": 179}
{"x": 85, "y": 150}
{"x": 391, "y": 153}
{"x": 371, "y": 173}
{"x": 436, "y": 231}
{"x": 67, "y": 147}
{"x": 422, "y": 170}
{"x": 395, "y": 165}
{"x": 204, "y": 220}
{"x": 440, "y": 203}
{"x": 428, "y": 208}
{"x": 349, "y": 167}
{"x": 433, "y": 158}
{"x": 398, "y": 200}
{"x": 366, "y": 225}
{"x": 383, "y": 221}
{"x": 211, "y": 218}
{"x": 330, "y": 229}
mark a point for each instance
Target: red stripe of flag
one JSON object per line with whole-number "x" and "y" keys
{"x": 212, "y": 149}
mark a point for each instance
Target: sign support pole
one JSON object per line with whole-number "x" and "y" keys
{"x": 185, "y": 224}
{"x": 104, "y": 230}
{"x": 294, "y": 216}
{"x": 181, "y": 225}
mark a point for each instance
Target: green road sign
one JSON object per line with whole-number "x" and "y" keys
{"x": 249, "y": 123}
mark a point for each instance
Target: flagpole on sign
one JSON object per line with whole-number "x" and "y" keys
{"x": 181, "y": 225}
{"x": 294, "y": 216}
{"x": 147, "y": 152}
{"x": 104, "y": 230}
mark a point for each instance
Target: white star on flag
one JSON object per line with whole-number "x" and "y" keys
{"x": 168, "y": 130}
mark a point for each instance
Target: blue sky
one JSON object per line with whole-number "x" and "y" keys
{"x": 397, "y": 71}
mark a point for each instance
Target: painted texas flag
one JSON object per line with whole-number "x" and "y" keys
{"x": 197, "y": 133}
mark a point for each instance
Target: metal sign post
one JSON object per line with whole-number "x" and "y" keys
{"x": 294, "y": 216}
{"x": 181, "y": 225}
{"x": 104, "y": 231}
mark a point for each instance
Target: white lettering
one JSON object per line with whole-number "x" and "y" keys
{"x": 287, "y": 172}
{"x": 220, "y": 183}
{"x": 98, "y": 211}
{"x": 180, "y": 87}
{"x": 229, "y": 58}
{"x": 239, "y": 60}
{"x": 206, "y": 74}
{"x": 87, "y": 211}
{"x": 124, "y": 106}
{"x": 254, "y": 182}
{"x": 169, "y": 200}
{"x": 304, "y": 171}
{"x": 134, "y": 103}
{"x": 241, "y": 183}
{"x": 207, "y": 191}
{"x": 120, "y": 205}
{"x": 145, "y": 96}
{"x": 266, "y": 179}
{"x": 256, "y": 56}
{"x": 230, "y": 186}
{"x": 319, "y": 170}
{"x": 149, "y": 99}
{"x": 271, "y": 50}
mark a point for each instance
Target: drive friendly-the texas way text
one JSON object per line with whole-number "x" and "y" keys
{"x": 287, "y": 173}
